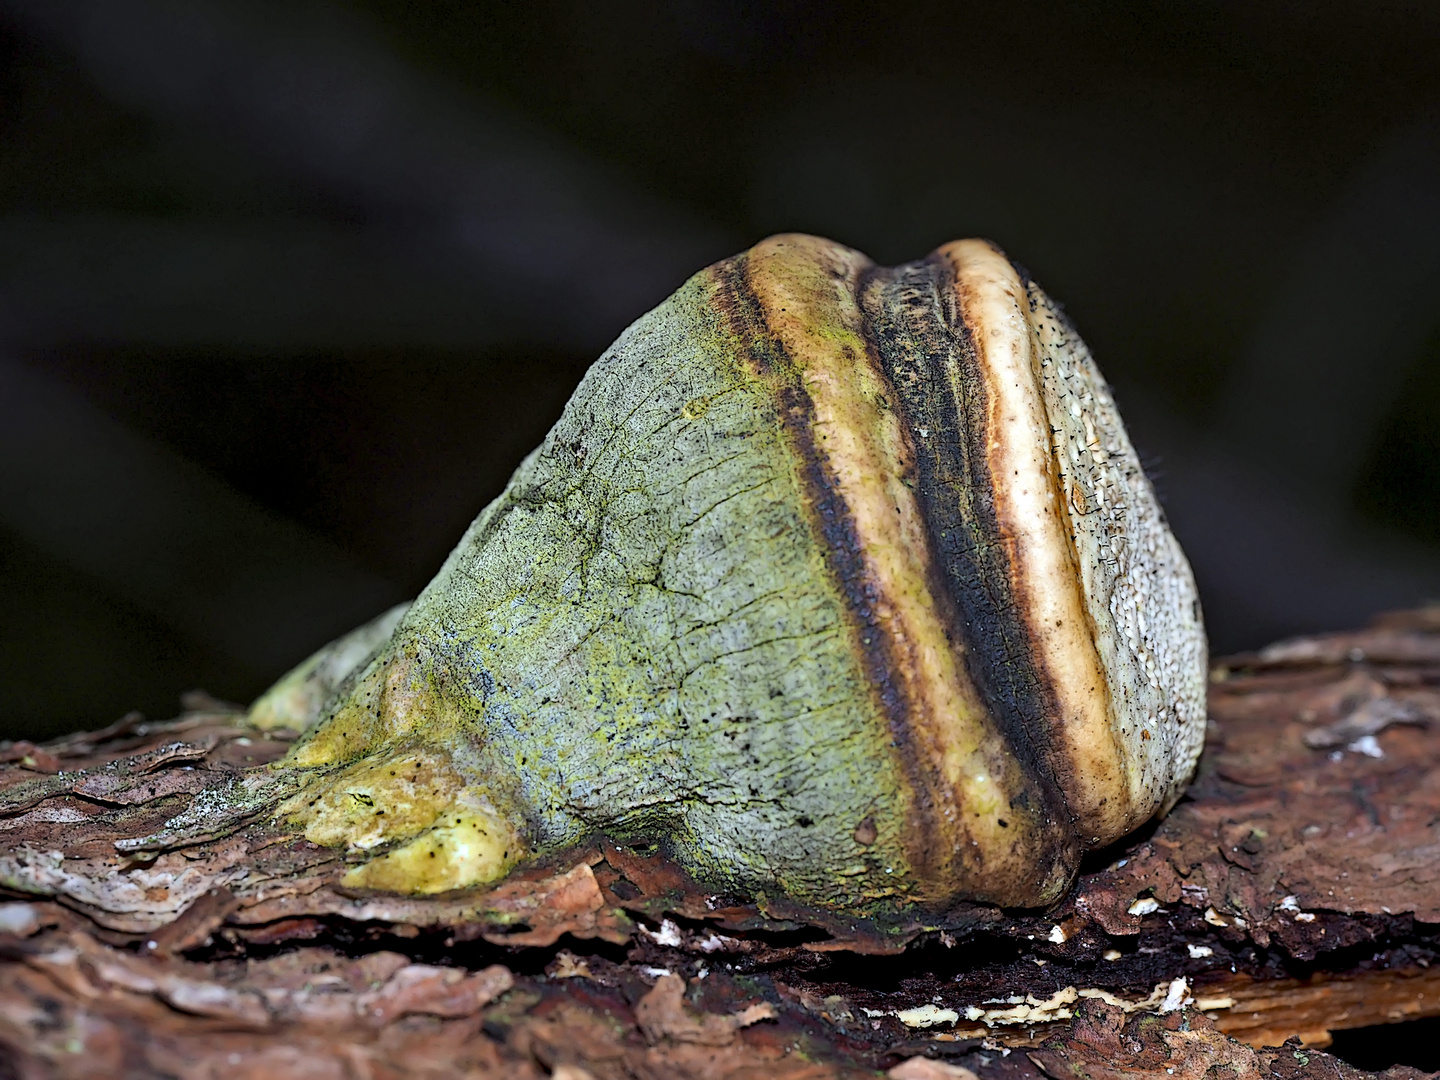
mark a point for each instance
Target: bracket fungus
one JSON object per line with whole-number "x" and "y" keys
{"x": 837, "y": 582}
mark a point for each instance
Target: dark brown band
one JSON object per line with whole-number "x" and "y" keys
{"x": 768, "y": 358}
{"x": 925, "y": 349}
{"x": 935, "y": 626}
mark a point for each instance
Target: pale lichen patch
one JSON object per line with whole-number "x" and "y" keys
{"x": 375, "y": 801}
{"x": 297, "y": 700}
{"x": 471, "y": 844}
{"x": 392, "y": 699}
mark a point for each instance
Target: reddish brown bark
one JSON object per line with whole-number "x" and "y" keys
{"x": 1294, "y": 891}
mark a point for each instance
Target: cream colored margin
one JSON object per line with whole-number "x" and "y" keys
{"x": 1045, "y": 576}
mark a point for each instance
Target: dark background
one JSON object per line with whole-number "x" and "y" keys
{"x": 287, "y": 289}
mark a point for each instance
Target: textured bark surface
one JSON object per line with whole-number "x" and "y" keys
{"x": 1293, "y": 892}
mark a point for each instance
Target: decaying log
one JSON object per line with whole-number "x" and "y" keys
{"x": 1295, "y": 891}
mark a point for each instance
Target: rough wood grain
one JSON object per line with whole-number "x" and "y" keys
{"x": 1293, "y": 892}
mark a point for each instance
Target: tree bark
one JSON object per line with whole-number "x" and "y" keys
{"x": 1293, "y": 892}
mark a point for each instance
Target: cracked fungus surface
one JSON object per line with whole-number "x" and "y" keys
{"x": 779, "y": 593}
{"x": 692, "y": 639}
